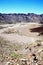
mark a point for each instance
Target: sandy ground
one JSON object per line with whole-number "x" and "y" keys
{"x": 21, "y": 32}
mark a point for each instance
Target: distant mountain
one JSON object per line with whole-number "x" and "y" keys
{"x": 14, "y": 18}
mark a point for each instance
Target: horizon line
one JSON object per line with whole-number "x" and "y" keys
{"x": 20, "y": 13}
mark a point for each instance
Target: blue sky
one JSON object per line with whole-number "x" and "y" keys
{"x": 21, "y": 6}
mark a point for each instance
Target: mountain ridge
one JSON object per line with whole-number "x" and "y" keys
{"x": 20, "y": 17}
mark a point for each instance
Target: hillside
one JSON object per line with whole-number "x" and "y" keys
{"x": 15, "y": 18}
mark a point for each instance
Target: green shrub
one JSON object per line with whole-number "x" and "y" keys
{"x": 15, "y": 56}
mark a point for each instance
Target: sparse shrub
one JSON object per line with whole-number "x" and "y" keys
{"x": 15, "y": 56}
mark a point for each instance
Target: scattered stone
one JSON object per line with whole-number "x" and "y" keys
{"x": 8, "y": 63}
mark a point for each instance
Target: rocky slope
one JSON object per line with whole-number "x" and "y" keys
{"x": 14, "y": 18}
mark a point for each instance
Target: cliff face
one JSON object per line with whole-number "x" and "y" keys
{"x": 13, "y": 18}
